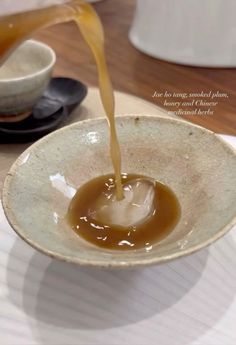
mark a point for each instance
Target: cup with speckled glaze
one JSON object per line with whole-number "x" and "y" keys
{"x": 24, "y": 77}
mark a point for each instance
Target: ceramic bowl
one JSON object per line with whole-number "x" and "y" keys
{"x": 198, "y": 166}
{"x": 24, "y": 77}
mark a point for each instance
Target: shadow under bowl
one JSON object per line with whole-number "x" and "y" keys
{"x": 194, "y": 162}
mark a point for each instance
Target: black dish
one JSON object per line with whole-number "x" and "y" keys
{"x": 52, "y": 110}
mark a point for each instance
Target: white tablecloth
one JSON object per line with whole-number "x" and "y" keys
{"x": 188, "y": 301}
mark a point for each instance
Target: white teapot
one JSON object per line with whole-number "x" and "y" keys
{"x": 191, "y": 32}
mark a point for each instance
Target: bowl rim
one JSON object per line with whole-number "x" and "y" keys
{"x": 41, "y": 71}
{"x": 116, "y": 263}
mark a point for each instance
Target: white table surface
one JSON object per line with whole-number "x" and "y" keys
{"x": 190, "y": 301}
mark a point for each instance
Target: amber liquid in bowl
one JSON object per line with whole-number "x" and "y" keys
{"x": 164, "y": 218}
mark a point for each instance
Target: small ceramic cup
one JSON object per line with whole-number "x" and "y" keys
{"x": 24, "y": 77}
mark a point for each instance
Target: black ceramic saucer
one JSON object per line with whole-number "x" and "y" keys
{"x": 52, "y": 110}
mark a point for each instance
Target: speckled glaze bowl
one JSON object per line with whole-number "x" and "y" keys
{"x": 194, "y": 162}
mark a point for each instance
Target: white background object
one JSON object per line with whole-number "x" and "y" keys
{"x": 14, "y": 6}
{"x": 193, "y": 32}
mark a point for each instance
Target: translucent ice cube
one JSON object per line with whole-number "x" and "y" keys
{"x": 136, "y": 207}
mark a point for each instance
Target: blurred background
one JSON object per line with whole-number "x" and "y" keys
{"x": 140, "y": 74}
